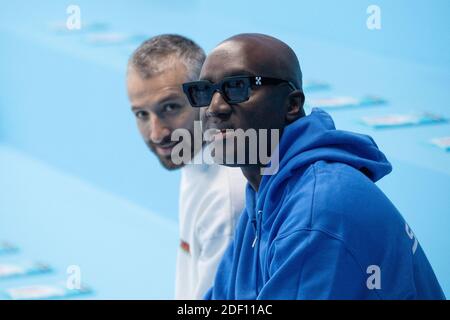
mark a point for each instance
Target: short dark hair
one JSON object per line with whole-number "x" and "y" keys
{"x": 154, "y": 54}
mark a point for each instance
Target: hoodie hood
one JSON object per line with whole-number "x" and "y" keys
{"x": 314, "y": 138}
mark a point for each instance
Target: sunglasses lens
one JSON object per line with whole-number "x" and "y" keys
{"x": 237, "y": 90}
{"x": 200, "y": 94}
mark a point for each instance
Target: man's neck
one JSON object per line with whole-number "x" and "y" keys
{"x": 253, "y": 176}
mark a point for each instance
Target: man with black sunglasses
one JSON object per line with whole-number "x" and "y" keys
{"x": 318, "y": 228}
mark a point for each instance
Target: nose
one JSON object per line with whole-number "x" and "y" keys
{"x": 158, "y": 131}
{"x": 218, "y": 108}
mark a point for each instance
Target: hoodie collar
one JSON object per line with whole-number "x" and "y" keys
{"x": 313, "y": 138}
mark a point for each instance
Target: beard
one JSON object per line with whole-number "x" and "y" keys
{"x": 165, "y": 161}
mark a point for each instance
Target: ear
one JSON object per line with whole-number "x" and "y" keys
{"x": 295, "y": 102}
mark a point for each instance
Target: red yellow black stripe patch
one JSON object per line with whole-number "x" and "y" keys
{"x": 185, "y": 246}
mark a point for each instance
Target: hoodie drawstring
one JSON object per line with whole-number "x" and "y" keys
{"x": 257, "y": 228}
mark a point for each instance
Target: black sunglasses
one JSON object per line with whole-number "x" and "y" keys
{"x": 234, "y": 89}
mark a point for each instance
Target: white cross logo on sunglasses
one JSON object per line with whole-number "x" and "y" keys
{"x": 258, "y": 81}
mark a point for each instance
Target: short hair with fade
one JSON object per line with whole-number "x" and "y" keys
{"x": 156, "y": 54}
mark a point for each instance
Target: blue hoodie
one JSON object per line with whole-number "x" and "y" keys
{"x": 321, "y": 229}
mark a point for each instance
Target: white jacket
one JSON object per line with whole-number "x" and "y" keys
{"x": 211, "y": 201}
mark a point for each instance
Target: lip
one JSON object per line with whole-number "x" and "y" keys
{"x": 165, "y": 150}
{"x": 218, "y": 133}
{"x": 222, "y": 135}
{"x": 218, "y": 126}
